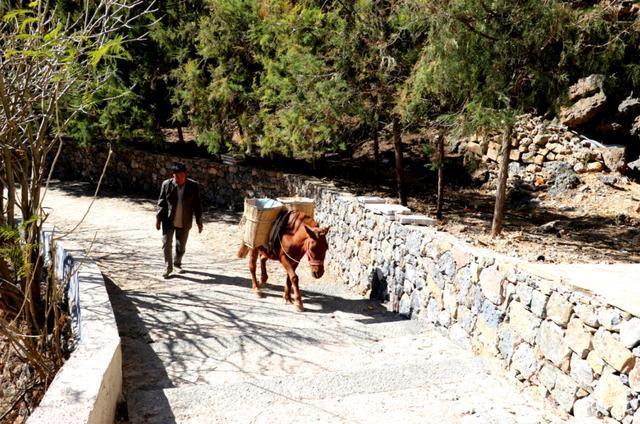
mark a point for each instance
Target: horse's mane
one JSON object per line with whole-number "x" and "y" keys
{"x": 296, "y": 219}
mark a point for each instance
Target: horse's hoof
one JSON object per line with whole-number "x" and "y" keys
{"x": 258, "y": 294}
{"x": 288, "y": 301}
{"x": 299, "y": 307}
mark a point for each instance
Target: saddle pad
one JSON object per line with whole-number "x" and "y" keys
{"x": 281, "y": 220}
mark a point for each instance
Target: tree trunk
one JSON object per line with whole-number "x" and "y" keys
{"x": 376, "y": 142}
{"x": 397, "y": 143}
{"x": 180, "y": 134}
{"x": 11, "y": 188}
{"x": 2, "y": 219}
{"x": 440, "y": 200}
{"x": 501, "y": 191}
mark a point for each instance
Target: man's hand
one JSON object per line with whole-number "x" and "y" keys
{"x": 157, "y": 225}
{"x": 199, "y": 228}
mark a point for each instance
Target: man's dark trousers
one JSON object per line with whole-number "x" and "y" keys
{"x": 181, "y": 235}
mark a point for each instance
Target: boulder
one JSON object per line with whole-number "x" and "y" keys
{"x": 586, "y": 87}
{"x": 635, "y": 127}
{"x": 583, "y": 111}
{"x": 629, "y": 106}
{"x": 614, "y": 158}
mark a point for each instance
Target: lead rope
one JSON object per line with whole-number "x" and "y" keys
{"x": 285, "y": 251}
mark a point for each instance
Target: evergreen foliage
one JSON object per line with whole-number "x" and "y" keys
{"x": 307, "y": 77}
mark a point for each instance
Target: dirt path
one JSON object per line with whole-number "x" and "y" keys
{"x": 200, "y": 348}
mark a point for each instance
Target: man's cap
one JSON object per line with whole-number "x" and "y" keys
{"x": 178, "y": 167}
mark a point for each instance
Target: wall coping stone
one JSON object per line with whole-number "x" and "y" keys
{"x": 89, "y": 385}
{"x": 617, "y": 284}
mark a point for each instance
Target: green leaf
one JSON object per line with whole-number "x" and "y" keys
{"x": 54, "y": 33}
{"x": 26, "y": 22}
{"x": 12, "y": 14}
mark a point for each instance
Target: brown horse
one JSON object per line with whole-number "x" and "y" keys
{"x": 300, "y": 235}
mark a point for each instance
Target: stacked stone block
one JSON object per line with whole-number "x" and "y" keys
{"x": 536, "y": 142}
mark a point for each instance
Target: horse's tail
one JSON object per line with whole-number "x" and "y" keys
{"x": 243, "y": 251}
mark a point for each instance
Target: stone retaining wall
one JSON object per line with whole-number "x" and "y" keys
{"x": 140, "y": 171}
{"x": 577, "y": 345}
{"x": 571, "y": 344}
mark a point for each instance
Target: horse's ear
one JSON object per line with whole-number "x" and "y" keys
{"x": 310, "y": 232}
{"x": 323, "y": 231}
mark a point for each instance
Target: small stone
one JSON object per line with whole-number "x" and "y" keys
{"x": 538, "y": 159}
{"x": 609, "y": 180}
{"x": 405, "y": 305}
{"x": 587, "y": 314}
{"x": 559, "y": 309}
{"x": 585, "y": 407}
{"x": 595, "y": 362}
{"x": 611, "y": 395}
{"x": 630, "y": 332}
{"x": 548, "y": 375}
{"x": 524, "y": 293}
{"x": 613, "y": 351}
{"x": 579, "y": 168}
{"x": 564, "y": 391}
{"x": 538, "y": 303}
{"x": 524, "y": 361}
{"x": 474, "y": 148}
{"x": 491, "y": 283}
{"x": 488, "y": 336}
{"x": 466, "y": 319}
{"x": 609, "y": 318}
{"x": 552, "y": 343}
{"x": 524, "y": 322}
{"x": 578, "y": 338}
{"x": 634, "y": 378}
{"x": 581, "y": 372}
{"x": 507, "y": 341}
{"x": 492, "y": 315}
{"x": 595, "y": 167}
{"x": 444, "y": 318}
{"x": 447, "y": 264}
{"x": 493, "y": 152}
{"x": 614, "y": 158}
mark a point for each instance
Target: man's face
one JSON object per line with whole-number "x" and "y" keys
{"x": 180, "y": 177}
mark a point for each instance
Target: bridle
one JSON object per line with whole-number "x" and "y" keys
{"x": 312, "y": 261}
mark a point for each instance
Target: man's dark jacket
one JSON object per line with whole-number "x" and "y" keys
{"x": 191, "y": 203}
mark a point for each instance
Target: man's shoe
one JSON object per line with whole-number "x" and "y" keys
{"x": 168, "y": 272}
{"x": 178, "y": 268}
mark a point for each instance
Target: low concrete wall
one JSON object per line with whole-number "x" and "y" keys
{"x": 88, "y": 386}
{"x": 571, "y": 331}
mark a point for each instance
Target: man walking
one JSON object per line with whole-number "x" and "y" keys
{"x": 178, "y": 203}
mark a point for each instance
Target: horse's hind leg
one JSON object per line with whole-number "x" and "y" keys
{"x": 253, "y": 258}
{"x": 263, "y": 270}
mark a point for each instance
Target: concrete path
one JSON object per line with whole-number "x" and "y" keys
{"x": 201, "y": 348}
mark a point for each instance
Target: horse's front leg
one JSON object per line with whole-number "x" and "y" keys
{"x": 263, "y": 270}
{"x": 253, "y": 258}
{"x": 292, "y": 279}
{"x": 287, "y": 291}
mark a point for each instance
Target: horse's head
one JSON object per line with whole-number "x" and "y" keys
{"x": 316, "y": 248}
